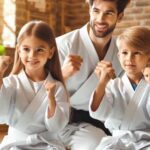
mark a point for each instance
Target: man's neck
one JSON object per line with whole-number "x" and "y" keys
{"x": 101, "y": 44}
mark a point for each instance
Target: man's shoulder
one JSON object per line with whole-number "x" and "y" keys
{"x": 70, "y": 36}
{"x": 69, "y": 33}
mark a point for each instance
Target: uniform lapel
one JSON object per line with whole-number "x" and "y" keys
{"x": 83, "y": 94}
{"x": 89, "y": 47}
{"x": 35, "y": 104}
{"x": 111, "y": 56}
{"x": 133, "y": 104}
{"x": 26, "y": 88}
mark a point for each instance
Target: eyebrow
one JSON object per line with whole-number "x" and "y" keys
{"x": 108, "y": 10}
{"x": 40, "y": 46}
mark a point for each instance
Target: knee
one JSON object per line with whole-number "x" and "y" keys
{"x": 84, "y": 146}
{"x": 86, "y": 138}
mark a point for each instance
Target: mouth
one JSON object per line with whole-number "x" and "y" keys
{"x": 32, "y": 62}
{"x": 101, "y": 27}
{"x": 130, "y": 66}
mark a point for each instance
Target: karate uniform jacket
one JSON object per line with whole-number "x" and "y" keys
{"x": 25, "y": 111}
{"x": 82, "y": 84}
{"x": 126, "y": 114}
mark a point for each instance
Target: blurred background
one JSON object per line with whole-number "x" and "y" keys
{"x": 62, "y": 16}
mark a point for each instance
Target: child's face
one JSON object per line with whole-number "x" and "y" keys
{"x": 34, "y": 53}
{"x": 132, "y": 60}
{"x": 146, "y": 74}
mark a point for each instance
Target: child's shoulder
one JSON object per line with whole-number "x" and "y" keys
{"x": 115, "y": 83}
{"x": 117, "y": 79}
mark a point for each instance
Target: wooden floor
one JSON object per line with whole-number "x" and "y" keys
{"x": 2, "y": 134}
{"x": 3, "y": 131}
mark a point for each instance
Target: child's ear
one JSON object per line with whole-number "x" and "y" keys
{"x": 52, "y": 50}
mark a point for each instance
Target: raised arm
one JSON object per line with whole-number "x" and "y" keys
{"x": 50, "y": 87}
{"x": 57, "y": 115}
{"x": 104, "y": 72}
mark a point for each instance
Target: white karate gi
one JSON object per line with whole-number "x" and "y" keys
{"x": 126, "y": 114}
{"x": 25, "y": 111}
{"x": 82, "y": 84}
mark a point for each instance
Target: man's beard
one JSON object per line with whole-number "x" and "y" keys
{"x": 102, "y": 34}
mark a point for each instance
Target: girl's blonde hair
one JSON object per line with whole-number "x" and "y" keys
{"x": 40, "y": 30}
{"x": 137, "y": 37}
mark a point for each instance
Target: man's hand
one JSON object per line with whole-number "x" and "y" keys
{"x": 105, "y": 71}
{"x": 71, "y": 65}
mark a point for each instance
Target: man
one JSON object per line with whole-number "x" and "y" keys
{"x": 80, "y": 53}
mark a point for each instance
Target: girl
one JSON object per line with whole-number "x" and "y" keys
{"x": 123, "y": 103}
{"x": 33, "y": 98}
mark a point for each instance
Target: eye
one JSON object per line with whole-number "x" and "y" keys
{"x": 137, "y": 53}
{"x": 25, "y": 49}
{"x": 40, "y": 49}
{"x": 109, "y": 13}
{"x": 124, "y": 53}
{"x": 146, "y": 75}
{"x": 95, "y": 10}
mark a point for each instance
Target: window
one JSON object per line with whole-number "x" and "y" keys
{"x": 8, "y": 28}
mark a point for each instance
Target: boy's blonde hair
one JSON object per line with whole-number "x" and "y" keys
{"x": 137, "y": 37}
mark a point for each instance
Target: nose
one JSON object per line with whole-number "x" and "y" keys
{"x": 129, "y": 57}
{"x": 101, "y": 17}
{"x": 32, "y": 53}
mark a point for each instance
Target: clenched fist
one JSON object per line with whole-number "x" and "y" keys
{"x": 104, "y": 71}
{"x": 5, "y": 61}
{"x": 50, "y": 88}
{"x": 71, "y": 65}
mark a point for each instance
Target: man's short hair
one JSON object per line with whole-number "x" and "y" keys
{"x": 121, "y": 4}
